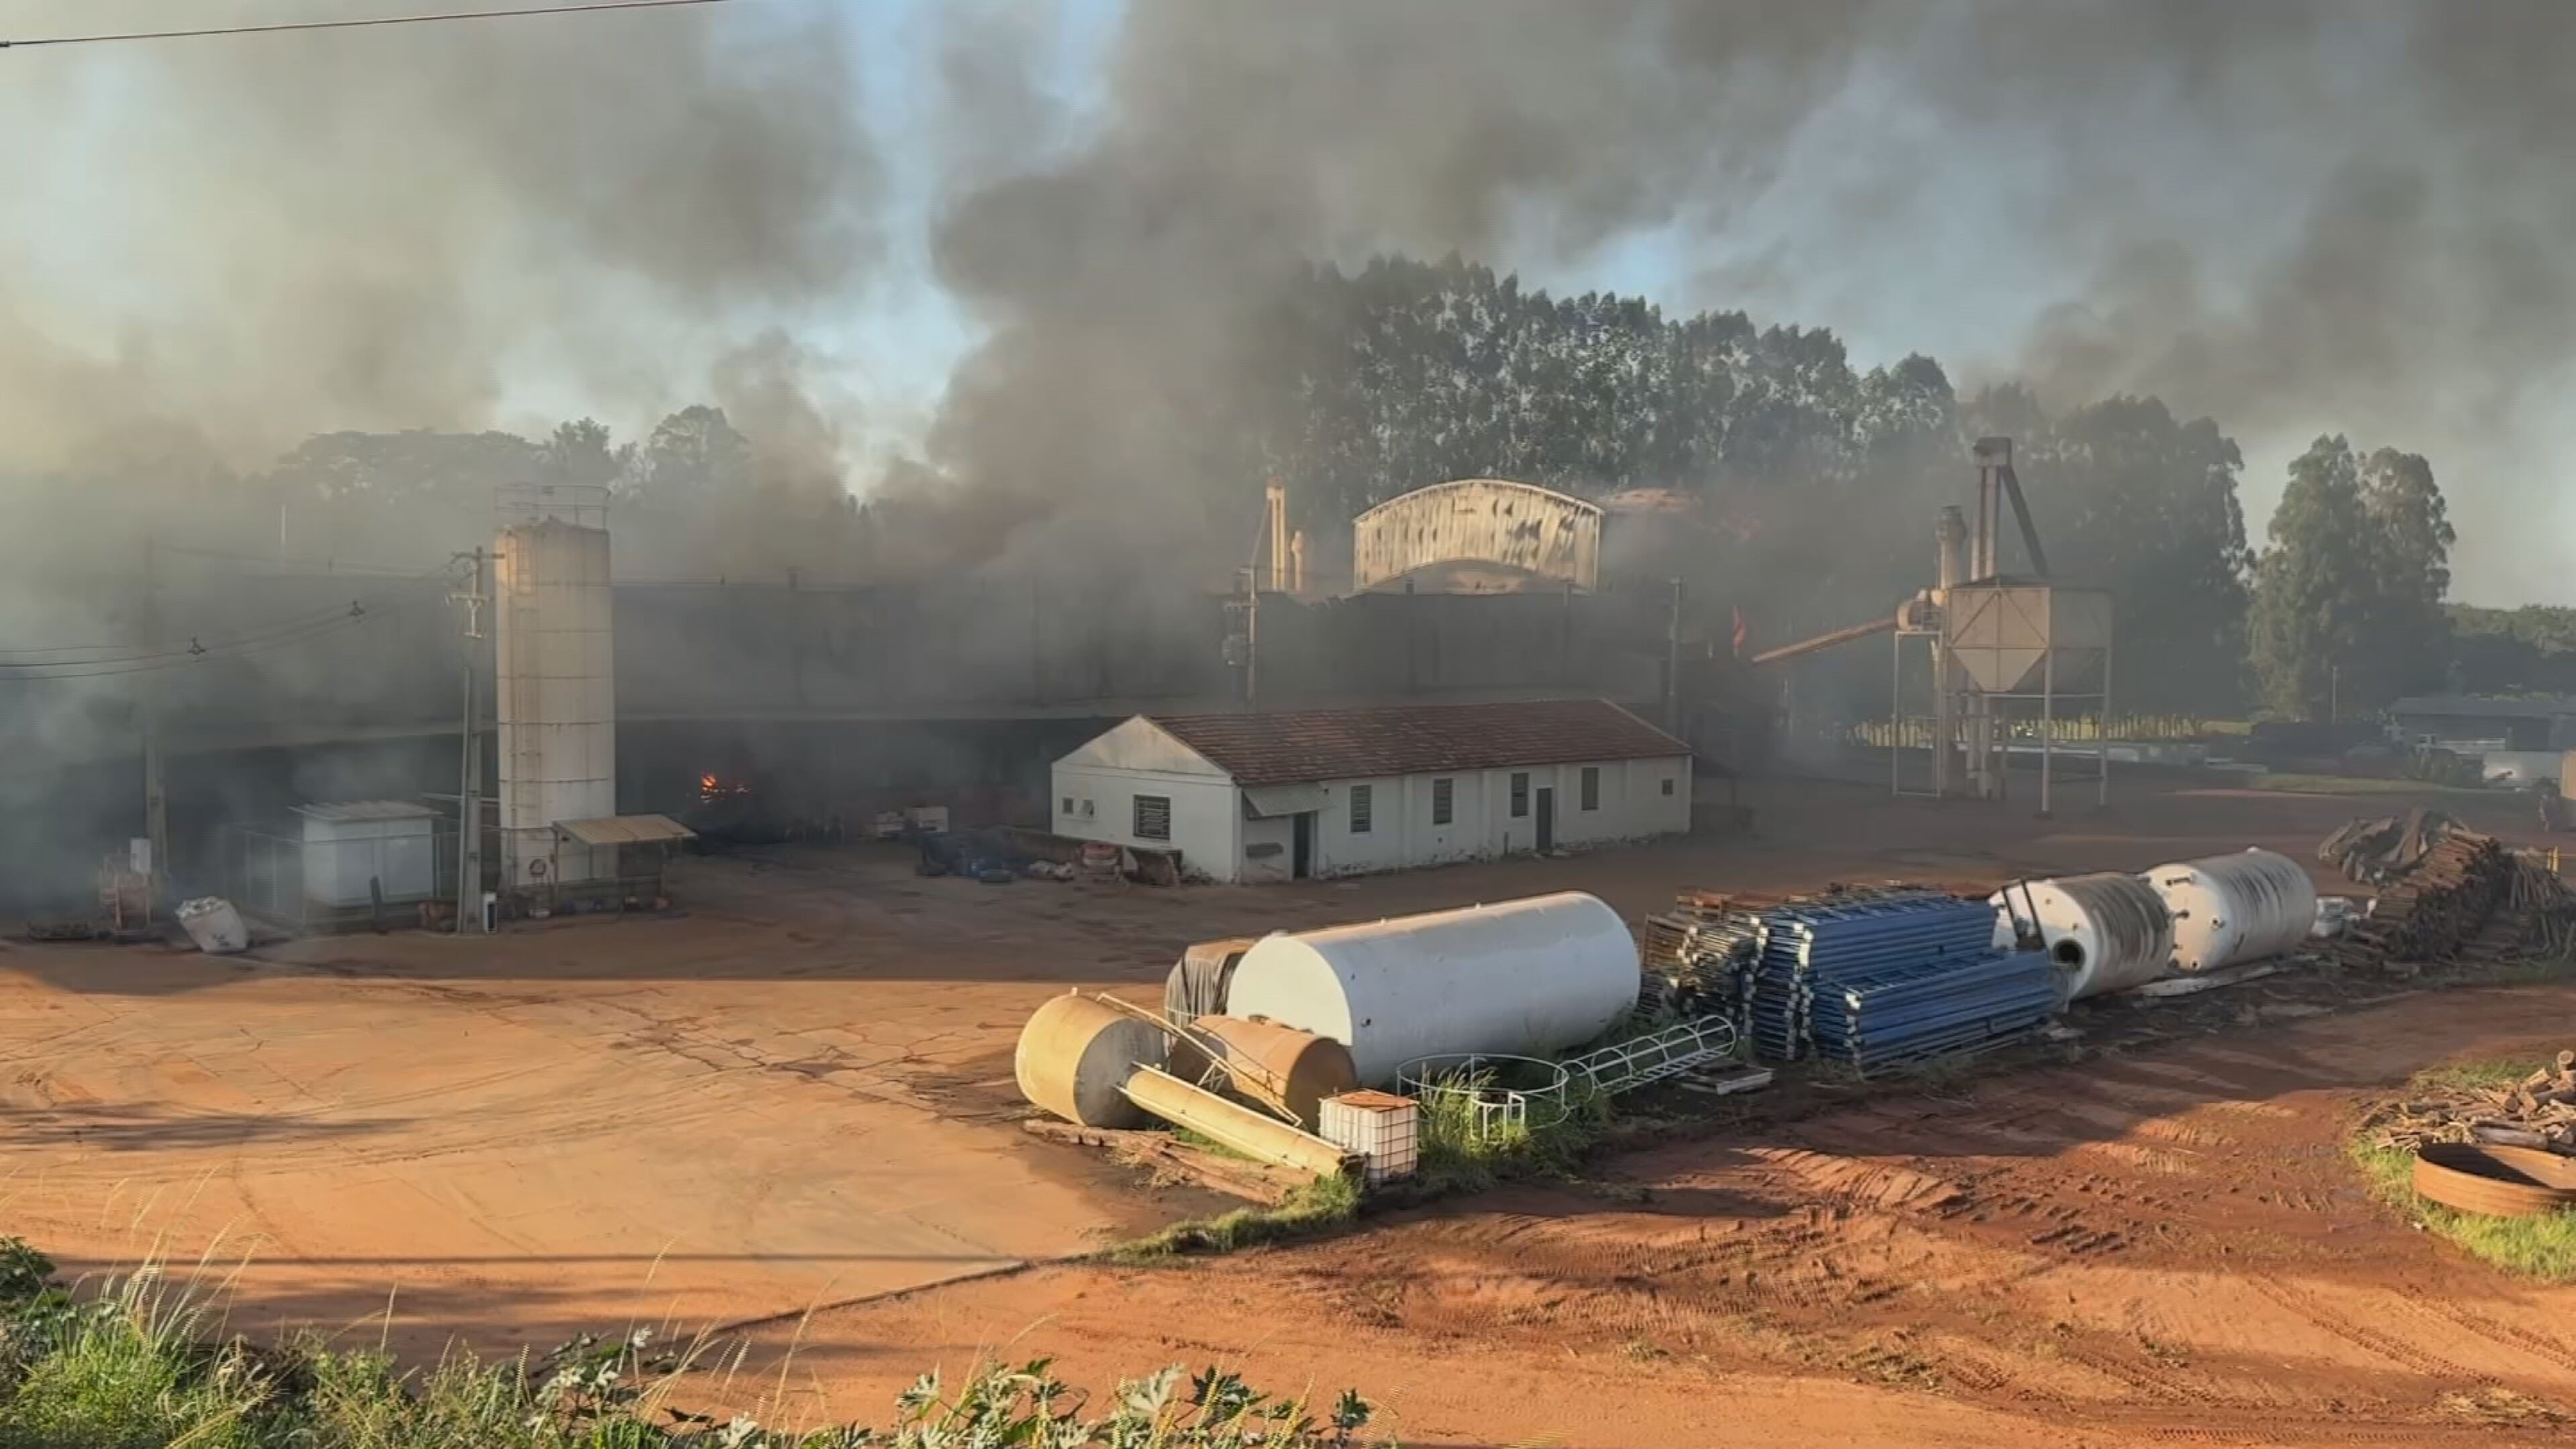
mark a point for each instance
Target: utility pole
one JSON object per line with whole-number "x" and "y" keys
{"x": 1673, "y": 666}
{"x": 469, "y": 765}
{"x": 156, "y": 814}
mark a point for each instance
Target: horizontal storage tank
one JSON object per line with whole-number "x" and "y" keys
{"x": 2234, "y": 908}
{"x": 1530, "y": 976}
{"x": 2105, "y": 932}
{"x": 1280, "y": 1067}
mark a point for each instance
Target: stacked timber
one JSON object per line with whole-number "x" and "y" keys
{"x": 2441, "y": 908}
{"x": 2537, "y": 1112}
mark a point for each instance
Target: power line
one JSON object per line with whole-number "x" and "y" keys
{"x": 360, "y": 24}
{"x": 350, "y": 618}
{"x": 194, "y": 646}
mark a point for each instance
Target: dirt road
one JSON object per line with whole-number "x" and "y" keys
{"x": 2158, "y": 1247}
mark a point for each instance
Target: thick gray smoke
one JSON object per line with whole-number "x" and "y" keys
{"x": 2295, "y": 216}
{"x": 249, "y": 240}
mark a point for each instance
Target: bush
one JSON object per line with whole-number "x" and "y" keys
{"x": 135, "y": 1368}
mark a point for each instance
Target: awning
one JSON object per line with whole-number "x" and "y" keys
{"x": 1262, "y": 801}
{"x": 626, "y": 830}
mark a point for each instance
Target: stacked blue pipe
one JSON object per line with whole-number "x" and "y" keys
{"x": 1901, "y": 974}
{"x": 1934, "y": 1008}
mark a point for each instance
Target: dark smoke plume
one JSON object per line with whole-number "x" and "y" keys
{"x": 2294, "y": 216}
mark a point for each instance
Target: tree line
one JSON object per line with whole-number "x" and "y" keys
{"x": 1818, "y": 480}
{"x": 1826, "y": 475}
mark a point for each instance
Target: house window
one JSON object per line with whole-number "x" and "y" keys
{"x": 1592, "y": 787}
{"x": 1068, "y": 804}
{"x": 1668, "y": 784}
{"x": 1153, "y": 817}
{"x": 1520, "y": 795}
{"x": 1360, "y": 803}
{"x": 1086, "y": 810}
{"x": 1444, "y": 796}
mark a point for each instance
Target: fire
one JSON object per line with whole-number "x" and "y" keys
{"x": 713, "y": 787}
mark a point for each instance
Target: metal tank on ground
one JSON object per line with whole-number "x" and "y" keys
{"x": 1075, "y": 1056}
{"x": 1527, "y": 976}
{"x": 2105, "y": 932}
{"x": 2229, "y": 909}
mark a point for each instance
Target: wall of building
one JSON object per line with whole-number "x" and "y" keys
{"x": 1095, "y": 790}
{"x": 1632, "y": 805}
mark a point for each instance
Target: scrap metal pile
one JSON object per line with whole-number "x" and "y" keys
{"x": 2537, "y": 1112}
{"x": 2447, "y": 894}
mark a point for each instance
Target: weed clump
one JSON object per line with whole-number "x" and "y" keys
{"x": 139, "y": 1366}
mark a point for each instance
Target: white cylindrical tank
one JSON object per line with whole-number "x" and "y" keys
{"x": 1528, "y": 976}
{"x": 2233, "y": 908}
{"x": 555, "y": 678}
{"x": 2106, "y": 932}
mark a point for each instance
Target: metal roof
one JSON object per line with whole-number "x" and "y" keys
{"x": 626, "y": 830}
{"x": 2470, "y": 706}
{"x": 352, "y": 810}
{"x": 1302, "y": 746}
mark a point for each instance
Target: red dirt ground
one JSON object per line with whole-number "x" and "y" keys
{"x": 800, "y": 1094}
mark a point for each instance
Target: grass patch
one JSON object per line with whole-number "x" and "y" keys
{"x": 1322, "y": 1205}
{"x": 1458, "y": 1157}
{"x": 2539, "y": 1247}
{"x": 140, "y": 1367}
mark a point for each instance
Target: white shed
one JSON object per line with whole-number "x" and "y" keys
{"x": 1256, "y": 797}
{"x": 353, "y": 849}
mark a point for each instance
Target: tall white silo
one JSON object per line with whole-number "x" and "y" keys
{"x": 556, "y": 698}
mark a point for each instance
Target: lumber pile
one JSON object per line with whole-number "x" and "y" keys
{"x": 2441, "y": 904}
{"x": 2537, "y": 1112}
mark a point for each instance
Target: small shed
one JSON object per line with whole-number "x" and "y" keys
{"x": 357, "y": 852}
{"x": 630, "y": 852}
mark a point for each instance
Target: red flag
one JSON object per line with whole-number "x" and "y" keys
{"x": 1740, "y": 632}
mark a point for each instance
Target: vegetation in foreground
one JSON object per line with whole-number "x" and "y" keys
{"x": 2538, "y": 1247}
{"x": 141, "y": 1366}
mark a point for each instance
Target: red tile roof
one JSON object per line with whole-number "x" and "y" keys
{"x": 1291, "y": 747}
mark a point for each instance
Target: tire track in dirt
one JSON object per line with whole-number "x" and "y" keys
{"x": 2396, "y": 1350}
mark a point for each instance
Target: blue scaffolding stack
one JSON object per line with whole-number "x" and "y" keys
{"x": 1891, "y": 946}
{"x": 1933, "y": 1008}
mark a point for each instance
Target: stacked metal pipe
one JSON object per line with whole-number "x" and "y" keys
{"x": 1813, "y": 948}
{"x": 1934, "y": 1008}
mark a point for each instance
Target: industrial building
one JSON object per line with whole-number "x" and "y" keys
{"x": 1255, "y": 797}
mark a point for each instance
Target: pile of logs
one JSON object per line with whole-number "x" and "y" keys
{"x": 2538, "y": 1112}
{"x": 2441, "y": 906}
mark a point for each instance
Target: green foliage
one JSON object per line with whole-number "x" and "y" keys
{"x": 2530, "y": 650}
{"x": 2541, "y": 1247}
{"x": 139, "y": 1368}
{"x": 1461, "y": 1152}
{"x": 1324, "y": 1204}
{"x": 2348, "y": 604}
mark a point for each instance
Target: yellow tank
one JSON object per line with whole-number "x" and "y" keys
{"x": 1280, "y": 1067}
{"x": 1075, "y": 1056}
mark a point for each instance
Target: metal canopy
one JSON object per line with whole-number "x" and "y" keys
{"x": 1265, "y": 801}
{"x": 626, "y": 830}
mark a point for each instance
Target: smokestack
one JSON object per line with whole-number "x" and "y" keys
{"x": 1993, "y": 456}
{"x": 1275, "y": 506}
{"x": 1950, "y": 536}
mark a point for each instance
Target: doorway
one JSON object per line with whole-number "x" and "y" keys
{"x": 1301, "y": 857}
{"x": 1546, "y": 819}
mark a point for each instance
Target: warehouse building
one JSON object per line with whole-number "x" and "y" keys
{"x": 1268, "y": 797}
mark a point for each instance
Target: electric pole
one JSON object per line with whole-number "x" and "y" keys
{"x": 469, "y": 766}
{"x": 156, "y": 814}
{"x": 1673, "y": 666}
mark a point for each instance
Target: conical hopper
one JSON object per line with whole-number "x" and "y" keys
{"x": 2001, "y": 632}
